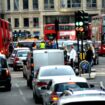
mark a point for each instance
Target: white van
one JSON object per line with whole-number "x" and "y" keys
{"x": 42, "y": 57}
{"x": 48, "y": 57}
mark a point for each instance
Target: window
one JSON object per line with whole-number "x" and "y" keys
{"x": 8, "y": 4}
{"x": 16, "y": 22}
{"x": 26, "y": 22}
{"x": 60, "y": 87}
{"x": 16, "y": 4}
{"x": 3, "y": 63}
{"x": 73, "y": 3}
{"x": 35, "y": 4}
{"x": 62, "y": 19}
{"x": 25, "y": 4}
{"x": 9, "y": 20}
{"x": 103, "y": 3}
{"x": 35, "y": 22}
{"x": 63, "y": 3}
{"x": 48, "y": 4}
{"x": 91, "y": 4}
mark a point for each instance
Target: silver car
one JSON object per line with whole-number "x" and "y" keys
{"x": 46, "y": 73}
{"x": 88, "y": 97}
{"x": 56, "y": 87}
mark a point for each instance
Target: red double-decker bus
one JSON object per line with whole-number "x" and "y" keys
{"x": 66, "y": 31}
{"x": 5, "y": 36}
{"x": 98, "y": 32}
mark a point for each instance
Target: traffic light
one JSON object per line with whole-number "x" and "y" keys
{"x": 79, "y": 21}
{"x": 86, "y": 21}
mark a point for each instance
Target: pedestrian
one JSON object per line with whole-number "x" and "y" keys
{"x": 50, "y": 45}
{"x": 34, "y": 45}
{"x": 65, "y": 55}
{"x": 42, "y": 45}
{"x": 94, "y": 54}
{"x": 10, "y": 48}
{"x": 72, "y": 56}
{"x": 89, "y": 55}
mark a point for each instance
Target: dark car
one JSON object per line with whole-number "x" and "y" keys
{"x": 5, "y": 77}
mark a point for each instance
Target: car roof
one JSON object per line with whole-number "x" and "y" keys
{"x": 21, "y": 48}
{"x": 86, "y": 95}
{"x": 47, "y": 50}
{"x": 69, "y": 79}
{"x": 54, "y": 66}
{"x": 25, "y": 50}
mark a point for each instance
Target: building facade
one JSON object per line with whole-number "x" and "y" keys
{"x": 31, "y": 15}
{"x": 1, "y": 9}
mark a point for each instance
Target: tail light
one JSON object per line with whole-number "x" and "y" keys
{"x": 54, "y": 97}
{"x": 40, "y": 84}
{"x": 16, "y": 59}
{"x": 7, "y": 72}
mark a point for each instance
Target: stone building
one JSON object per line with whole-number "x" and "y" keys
{"x": 31, "y": 15}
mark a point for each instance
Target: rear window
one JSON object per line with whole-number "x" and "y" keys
{"x": 23, "y": 54}
{"x": 72, "y": 85}
{"x": 25, "y": 44}
{"x": 56, "y": 71}
{"x": 3, "y": 63}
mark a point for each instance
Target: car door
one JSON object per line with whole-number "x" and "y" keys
{"x": 47, "y": 92}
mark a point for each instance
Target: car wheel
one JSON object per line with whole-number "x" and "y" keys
{"x": 36, "y": 99}
{"x": 15, "y": 68}
{"x": 8, "y": 87}
{"x": 97, "y": 61}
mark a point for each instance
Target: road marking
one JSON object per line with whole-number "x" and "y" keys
{"x": 17, "y": 85}
{"x": 24, "y": 99}
{"x": 20, "y": 91}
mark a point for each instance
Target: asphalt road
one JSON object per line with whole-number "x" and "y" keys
{"x": 20, "y": 94}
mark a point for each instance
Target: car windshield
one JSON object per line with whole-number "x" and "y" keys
{"x": 22, "y": 54}
{"x": 57, "y": 71}
{"x": 3, "y": 63}
{"x": 70, "y": 85}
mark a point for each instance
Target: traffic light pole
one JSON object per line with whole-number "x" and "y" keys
{"x": 57, "y": 30}
{"x": 78, "y": 52}
{"x": 82, "y": 44}
{"x": 57, "y": 40}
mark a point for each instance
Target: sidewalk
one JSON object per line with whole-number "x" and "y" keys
{"x": 93, "y": 74}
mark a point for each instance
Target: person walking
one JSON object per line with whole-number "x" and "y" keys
{"x": 65, "y": 55}
{"x": 72, "y": 56}
{"x": 89, "y": 55}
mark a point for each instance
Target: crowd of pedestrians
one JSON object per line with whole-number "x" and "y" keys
{"x": 71, "y": 56}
